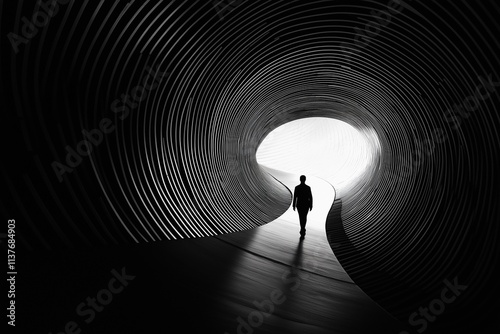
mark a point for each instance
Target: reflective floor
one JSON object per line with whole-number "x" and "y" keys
{"x": 264, "y": 280}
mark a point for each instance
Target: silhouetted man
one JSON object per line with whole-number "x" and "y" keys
{"x": 303, "y": 200}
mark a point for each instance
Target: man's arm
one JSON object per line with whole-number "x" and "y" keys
{"x": 310, "y": 200}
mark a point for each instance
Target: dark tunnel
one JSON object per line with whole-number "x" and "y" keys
{"x": 139, "y": 122}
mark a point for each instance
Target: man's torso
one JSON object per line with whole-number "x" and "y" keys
{"x": 303, "y": 194}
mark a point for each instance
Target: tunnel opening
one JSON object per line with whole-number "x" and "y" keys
{"x": 328, "y": 148}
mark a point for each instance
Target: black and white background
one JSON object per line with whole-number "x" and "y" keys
{"x": 130, "y": 131}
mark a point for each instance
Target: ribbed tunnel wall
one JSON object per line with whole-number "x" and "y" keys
{"x": 182, "y": 163}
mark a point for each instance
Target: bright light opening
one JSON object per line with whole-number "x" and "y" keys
{"x": 324, "y": 147}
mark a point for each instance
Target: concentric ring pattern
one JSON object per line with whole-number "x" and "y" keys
{"x": 183, "y": 93}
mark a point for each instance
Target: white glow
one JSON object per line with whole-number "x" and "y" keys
{"x": 323, "y": 147}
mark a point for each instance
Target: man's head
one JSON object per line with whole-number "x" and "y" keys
{"x": 302, "y": 178}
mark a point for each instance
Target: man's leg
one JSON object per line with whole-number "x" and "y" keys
{"x": 303, "y": 220}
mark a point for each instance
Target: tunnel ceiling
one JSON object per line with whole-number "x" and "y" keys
{"x": 191, "y": 89}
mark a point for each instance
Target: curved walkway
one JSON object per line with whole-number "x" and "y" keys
{"x": 263, "y": 280}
